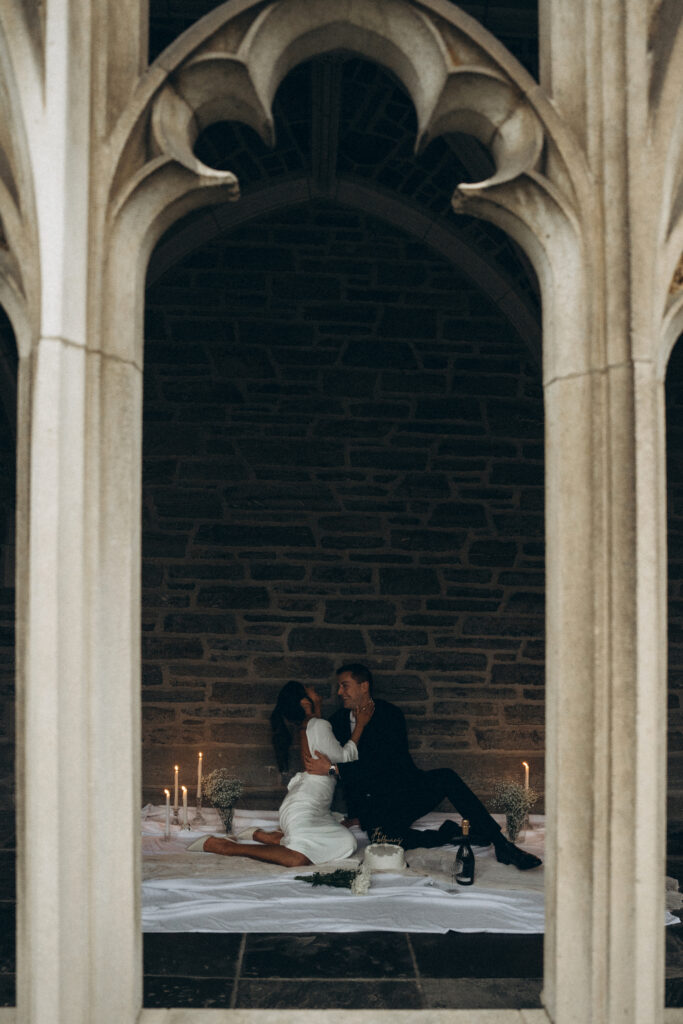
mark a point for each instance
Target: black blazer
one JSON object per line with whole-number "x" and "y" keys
{"x": 384, "y": 766}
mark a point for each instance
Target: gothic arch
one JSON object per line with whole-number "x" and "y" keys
{"x": 604, "y": 586}
{"x": 483, "y": 270}
{"x": 229, "y": 65}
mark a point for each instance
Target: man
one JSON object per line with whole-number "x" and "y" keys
{"x": 386, "y": 791}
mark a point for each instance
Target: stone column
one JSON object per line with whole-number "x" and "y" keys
{"x": 79, "y": 947}
{"x": 606, "y": 536}
{"x": 606, "y": 706}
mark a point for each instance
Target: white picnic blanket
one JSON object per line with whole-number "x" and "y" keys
{"x": 203, "y": 892}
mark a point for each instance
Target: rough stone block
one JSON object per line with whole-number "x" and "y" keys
{"x": 459, "y": 513}
{"x": 155, "y": 647}
{"x": 233, "y": 597}
{"x": 502, "y": 625}
{"x": 340, "y": 574}
{"x": 208, "y": 470}
{"x": 525, "y": 714}
{"x": 445, "y": 661}
{"x": 458, "y": 409}
{"x": 409, "y": 581}
{"x": 341, "y": 641}
{"x": 424, "y": 485}
{"x": 253, "y": 535}
{"x": 522, "y": 740}
{"x": 518, "y": 674}
{"x": 151, "y": 675}
{"x": 195, "y": 570}
{"x": 428, "y": 540}
{"x": 379, "y": 355}
{"x": 277, "y": 571}
{"x": 294, "y": 668}
{"x": 163, "y": 545}
{"x": 398, "y": 637}
{"x": 407, "y": 322}
{"x": 252, "y": 734}
{"x": 346, "y": 542}
{"x": 188, "y": 622}
{"x": 245, "y": 693}
{"x": 187, "y": 504}
{"x": 399, "y": 687}
{"x": 360, "y": 612}
{"x": 493, "y": 553}
{"x": 383, "y": 459}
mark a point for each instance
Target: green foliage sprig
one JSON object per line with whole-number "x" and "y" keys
{"x": 342, "y": 878}
{"x": 357, "y": 881}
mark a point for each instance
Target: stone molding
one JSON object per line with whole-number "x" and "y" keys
{"x": 576, "y": 183}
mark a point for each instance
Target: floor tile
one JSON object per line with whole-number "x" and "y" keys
{"x": 7, "y": 938}
{"x": 673, "y": 992}
{"x": 674, "y": 950}
{"x": 179, "y": 991}
{"x": 359, "y": 955}
{"x": 315, "y": 994}
{"x": 7, "y": 874}
{"x": 8, "y": 996}
{"x": 482, "y": 993}
{"x": 191, "y": 954}
{"x": 478, "y": 955}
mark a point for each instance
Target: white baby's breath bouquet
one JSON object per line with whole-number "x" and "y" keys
{"x": 223, "y": 789}
{"x": 515, "y": 801}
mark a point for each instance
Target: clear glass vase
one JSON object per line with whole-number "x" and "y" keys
{"x": 226, "y": 815}
{"x": 515, "y": 828}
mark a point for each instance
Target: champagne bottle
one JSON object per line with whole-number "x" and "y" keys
{"x": 463, "y": 868}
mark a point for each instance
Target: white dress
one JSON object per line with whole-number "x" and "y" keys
{"x": 305, "y": 817}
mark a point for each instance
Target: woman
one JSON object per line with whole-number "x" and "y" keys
{"x": 308, "y": 833}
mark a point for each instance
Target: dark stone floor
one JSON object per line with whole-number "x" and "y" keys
{"x": 369, "y": 970}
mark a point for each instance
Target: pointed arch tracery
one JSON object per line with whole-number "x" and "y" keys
{"x": 229, "y": 66}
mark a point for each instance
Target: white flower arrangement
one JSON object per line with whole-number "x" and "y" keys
{"x": 515, "y": 801}
{"x": 222, "y": 788}
{"x": 361, "y": 883}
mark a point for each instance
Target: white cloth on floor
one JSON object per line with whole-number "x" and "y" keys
{"x": 305, "y": 816}
{"x": 207, "y": 893}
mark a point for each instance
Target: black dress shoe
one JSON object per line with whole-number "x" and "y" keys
{"x": 452, "y": 832}
{"x": 508, "y": 853}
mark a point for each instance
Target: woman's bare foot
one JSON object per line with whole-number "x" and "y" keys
{"x": 269, "y": 838}
{"x": 215, "y": 844}
{"x": 273, "y": 853}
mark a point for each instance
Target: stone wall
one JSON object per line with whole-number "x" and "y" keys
{"x": 8, "y": 363}
{"x": 343, "y": 460}
{"x": 299, "y": 466}
{"x": 674, "y": 410}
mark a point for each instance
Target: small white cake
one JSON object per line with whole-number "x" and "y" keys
{"x": 384, "y": 857}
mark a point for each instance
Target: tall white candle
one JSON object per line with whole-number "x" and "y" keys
{"x": 167, "y": 829}
{"x": 526, "y": 774}
{"x": 185, "y": 821}
{"x": 199, "y": 776}
{"x": 175, "y": 792}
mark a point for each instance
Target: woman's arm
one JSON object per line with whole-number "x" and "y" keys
{"x": 363, "y": 716}
{"x": 303, "y": 744}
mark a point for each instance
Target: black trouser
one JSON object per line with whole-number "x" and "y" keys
{"x": 394, "y": 814}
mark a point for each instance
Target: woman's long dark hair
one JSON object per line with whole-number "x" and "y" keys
{"x": 287, "y": 709}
